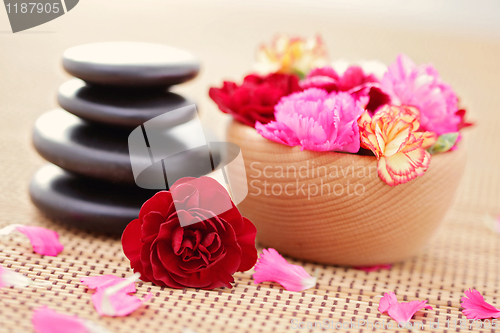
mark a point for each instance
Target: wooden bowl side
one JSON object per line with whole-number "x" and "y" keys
{"x": 332, "y": 208}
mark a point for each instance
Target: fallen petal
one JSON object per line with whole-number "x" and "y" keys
{"x": 117, "y": 305}
{"x": 492, "y": 223}
{"x": 9, "y": 278}
{"x": 271, "y": 266}
{"x": 401, "y": 312}
{"x": 475, "y": 307}
{"x": 44, "y": 241}
{"x": 387, "y": 301}
{"x": 373, "y": 268}
{"x": 114, "y": 300}
{"x": 46, "y": 320}
{"x": 104, "y": 281}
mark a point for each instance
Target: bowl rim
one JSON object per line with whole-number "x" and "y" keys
{"x": 280, "y": 148}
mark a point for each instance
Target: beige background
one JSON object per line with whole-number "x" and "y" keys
{"x": 463, "y": 42}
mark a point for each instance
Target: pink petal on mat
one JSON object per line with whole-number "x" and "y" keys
{"x": 373, "y": 268}
{"x": 114, "y": 300}
{"x": 10, "y": 278}
{"x": 475, "y": 307}
{"x": 104, "y": 281}
{"x": 492, "y": 222}
{"x": 46, "y": 320}
{"x": 44, "y": 241}
{"x": 400, "y": 312}
{"x": 271, "y": 266}
{"x": 122, "y": 304}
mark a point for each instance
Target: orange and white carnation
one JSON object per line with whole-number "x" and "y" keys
{"x": 291, "y": 56}
{"x": 391, "y": 134}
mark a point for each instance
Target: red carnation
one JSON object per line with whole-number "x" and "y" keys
{"x": 255, "y": 99}
{"x": 204, "y": 254}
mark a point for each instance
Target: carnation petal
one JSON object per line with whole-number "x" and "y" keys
{"x": 422, "y": 87}
{"x": 160, "y": 202}
{"x": 104, "y": 281}
{"x": 131, "y": 244}
{"x": 383, "y": 173}
{"x": 277, "y": 132}
{"x": 373, "y": 268}
{"x": 271, "y": 266}
{"x": 44, "y": 241}
{"x": 492, "y": 222}
{"x": 246, "y": 240}
{"x": 10, "y": 278}
{"x": 120, "y": 304}
{"x": 114, "y": 300}
{"x": 46, "y": 320}
{"x": 401, "y": 312}
{"x": 475, "y": 307}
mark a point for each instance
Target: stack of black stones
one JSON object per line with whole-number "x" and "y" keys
{"x": 118, "y": 86}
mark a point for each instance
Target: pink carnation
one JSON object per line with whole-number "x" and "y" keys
{"x": 422, "y": 87}
{"x": 364, "y": 87}
{"x": 316, "y": 120}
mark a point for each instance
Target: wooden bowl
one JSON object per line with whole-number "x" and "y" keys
{"x": 332, "y": 208}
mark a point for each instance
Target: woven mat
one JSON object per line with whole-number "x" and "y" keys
{"x": 463, "y": 254}
{"x": 459, "y": 257}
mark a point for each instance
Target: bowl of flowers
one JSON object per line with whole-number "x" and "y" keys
{"x": 349, "y": 165}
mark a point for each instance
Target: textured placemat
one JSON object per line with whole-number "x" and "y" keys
{"x": 463, "y": 254}
{"x": 459, "y": 257}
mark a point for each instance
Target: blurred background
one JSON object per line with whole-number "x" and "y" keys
{"x": 461, "y": 38}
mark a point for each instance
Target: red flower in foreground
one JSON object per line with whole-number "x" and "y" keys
{"x": 255, "y": 99}
{"x": 204, "y": 254}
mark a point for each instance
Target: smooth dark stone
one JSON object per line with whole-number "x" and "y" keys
{"x": 86, "y": 203}
{"x": 122, "y": 108}
{"x": 102, "y": 152}
{"x": 127, "y": 64}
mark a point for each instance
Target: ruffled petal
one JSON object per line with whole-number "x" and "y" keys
{"x": 246, "y": 240}
{"x": 44, "y": 241}
{"x": 104, "y": 281}
{"x": 271, "y": 266}
{"x": 10, "y": 278}
{"x": 121, "y": 304}
{"x": 387, "y": 301}
{"x": 422, "y": 87}
{"x": 114, "y": 300}
{"x": 400, "y": 312}
{"x": 46, "y": 320}
{"x": 277, "y": 132}
{"x": 131, "y": 244}
{"x": 475, "y": 307}
{"x": 373, "y": 268}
